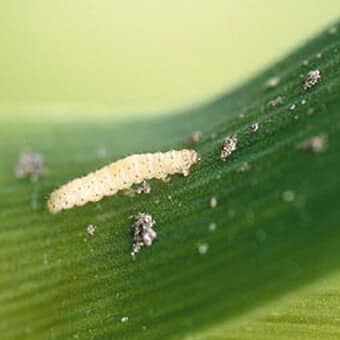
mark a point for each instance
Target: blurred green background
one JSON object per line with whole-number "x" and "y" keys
{"x": 95, "y": 58}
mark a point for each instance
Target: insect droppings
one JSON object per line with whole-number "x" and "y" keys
{"x": 311, "y": 79}
{"x": 315, "y": 143}
{"x": 142, "y": 232}
{"x": 91, "y": 229}
{"x": 29, "y": 164}
{"x": 121, "y": 175}
{"x": 228, "y": 147}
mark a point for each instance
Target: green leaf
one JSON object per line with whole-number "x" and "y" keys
{"x": 277, "y": 222}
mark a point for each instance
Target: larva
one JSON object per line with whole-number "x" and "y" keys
{"x": 121, "y": 175}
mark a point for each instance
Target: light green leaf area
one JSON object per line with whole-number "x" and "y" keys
{"x": 270, "y": 269}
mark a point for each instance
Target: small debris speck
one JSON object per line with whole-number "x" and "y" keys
{"x": 305, "y": 62}
{"x": 319, "y": 55}
{"x": 241, "y": 115}
{"x": 272, "y": 82}
{"x": 288, "y": 196}
{"x": 29, "y": 164}
{"x": 142, "y": 232}
{"x": 254, "y": 127}
{"x": 91, "y": 229}
{"x": 303, "y": 101}
{"x": 202, "y": 248}
{"x": 311, "y": 79}
{"x": 228, "y": 147}
{"x": 195, "y": 137}
{"x": 292, "y": 107}
{"x": 213, "y": 202}
{"x": 315, "y": 143}
{"x": 124, "y": 319}
{"x": 212, "y": 227}
{"x": 278, "y": 100}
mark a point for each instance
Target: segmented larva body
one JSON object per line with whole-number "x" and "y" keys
{"x": 121, "y": 175}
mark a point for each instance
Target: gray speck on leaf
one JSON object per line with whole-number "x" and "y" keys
{"x": 311, "y": 79}
{"x": 228, "y": 147}
{"x": 142, "y": 232}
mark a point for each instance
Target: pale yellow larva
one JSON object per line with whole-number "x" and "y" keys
{"x": 121, "y": 175}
